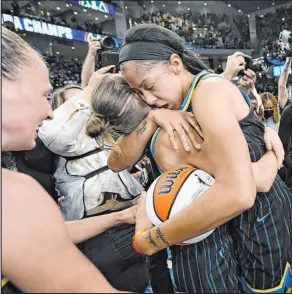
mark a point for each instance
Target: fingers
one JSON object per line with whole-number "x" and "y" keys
{"x": 279, "y": 152}
{"x": 170, "y": 134}
{"x": 268, "y": 144}
{"x": 193, "y": 122}
{"x": 193, "y": 136}
{"x": 182, "y": 135}
{"x": 105, "y": 70}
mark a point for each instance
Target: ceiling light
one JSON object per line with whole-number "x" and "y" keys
{"x": 151, "y": 1}
{"x": 67, "y": 5}
{"x": 189, "y": 8}
{"x": 73, "y": 48}
{"x": 178, "y": 2}
{"x": 96, "y": 18}
{"x": 283, "y": 19}
{"x": 39, "y": 3}
{"x": 105, "y": 16}
{"x": 51, "y": 44}
{"x": 75, "y": 12}
{"x": 163, "y": 5}
{"x": 205, "y": 4}
{"x": 273, "y": 3}
{"x": 58, "y": 8}
{"x": 57, "y": 52}
{"x": 262, "y": 15}
{"x": 239, "y": 10}
{"x": 126, "y": 7}
{"x": 48, "y": 13}
{"x": 84, "y": 10}
{"x": 248, "y": 16}
{"x": 258, "y": 7}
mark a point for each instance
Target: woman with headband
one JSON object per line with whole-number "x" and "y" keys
{"x": 155, "y": 64}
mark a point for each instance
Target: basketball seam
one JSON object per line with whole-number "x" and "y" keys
{"x": 169, "y": 211}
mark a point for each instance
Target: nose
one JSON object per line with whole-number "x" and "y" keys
{"x": 50, "y": 113}
{"x": 149, "y": 99}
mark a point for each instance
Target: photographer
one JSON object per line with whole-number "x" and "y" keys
{"x": 89, "y": 64}
{"x": 282, "y": 86}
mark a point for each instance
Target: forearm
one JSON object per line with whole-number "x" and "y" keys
{"x": 219, "y": 203}
{"x": 282, "y": 95}
{"x": 130, "y": 148}
{"x": 81, "y": 230}
{"x": 87, "y": 69}
{"x": 265, "y": 171}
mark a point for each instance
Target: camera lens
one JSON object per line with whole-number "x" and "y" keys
{"x": 107, "y": 43}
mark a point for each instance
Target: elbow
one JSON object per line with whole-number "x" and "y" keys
{"x": 113, "y": 164}
{"x": 246, "y": 196}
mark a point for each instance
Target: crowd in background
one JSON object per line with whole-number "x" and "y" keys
{"x": 270, "y": 25}
{"x": 206, "y": 30}
{"x": 30, "y": 12}
{"x": 63, "y": 70}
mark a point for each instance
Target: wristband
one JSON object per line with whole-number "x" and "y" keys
{"x": 136, "y": 235}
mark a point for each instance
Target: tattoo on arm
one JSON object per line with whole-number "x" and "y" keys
{"x": 161, "y": 237}
{"x": 151, "y": 241}
{"x": 141, "y": 128}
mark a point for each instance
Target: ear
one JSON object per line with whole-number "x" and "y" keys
{"x": 175, "y": 63}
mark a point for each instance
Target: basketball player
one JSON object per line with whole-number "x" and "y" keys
{"x": 123, "y": 114}
{"x": 37, "y": 252}
{"x": 168, "y": 76}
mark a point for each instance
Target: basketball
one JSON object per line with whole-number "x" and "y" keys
{"x": 173, "y": 191}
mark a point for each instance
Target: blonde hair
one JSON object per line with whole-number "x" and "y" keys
{"x": 117, "y": 109}
{"x": 16, "y": 55}
{"x": 269, "y": 96}
{"x": 58, "y": 95}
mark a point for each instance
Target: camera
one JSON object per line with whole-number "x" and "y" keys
{"x": 257, "y": 65}
{"x": 285, "y": 41}
{"x": 107, "y": 43}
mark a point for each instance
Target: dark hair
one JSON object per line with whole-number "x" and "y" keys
{"x": 116, "y": 109}
{"x": 157, "y": 34}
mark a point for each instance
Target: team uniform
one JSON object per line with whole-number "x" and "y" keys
{"x": 209, "y": 266}
{"x": 255, "y": 247}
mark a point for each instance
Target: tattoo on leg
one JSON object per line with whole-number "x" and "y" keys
{"x": 161, "y": 237}
{"x": 151, "y": 241}
{"x": 141, "y": 128}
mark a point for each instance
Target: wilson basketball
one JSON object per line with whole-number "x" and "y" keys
{"x": 173, "y": 191}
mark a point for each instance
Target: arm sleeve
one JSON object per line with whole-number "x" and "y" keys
{"x": 60, "y": 134}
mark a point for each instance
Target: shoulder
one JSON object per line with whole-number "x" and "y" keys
{"x": 216, "y": 84}
{"x": 14, "y": 180}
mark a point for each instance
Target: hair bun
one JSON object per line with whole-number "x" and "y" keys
{"x": 96, "y": 126}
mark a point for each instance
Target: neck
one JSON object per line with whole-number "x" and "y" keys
{"x": 187, "y": 82}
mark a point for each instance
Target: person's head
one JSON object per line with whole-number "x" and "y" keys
{"x": 61, "y": 95}
{"x": 154, "y": 62}
{"x": 270, "y": 106}
{"x": 25, "y": 86}
{"x": 116, "y": 108}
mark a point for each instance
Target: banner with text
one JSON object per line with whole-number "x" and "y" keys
{"x": 43, "y": 28}
{"x": 96, "y": 5}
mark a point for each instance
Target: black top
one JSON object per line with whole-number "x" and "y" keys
{"x": 285, "y": 133}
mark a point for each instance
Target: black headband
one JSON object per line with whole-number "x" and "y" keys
{"x": 145, "y": 51}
